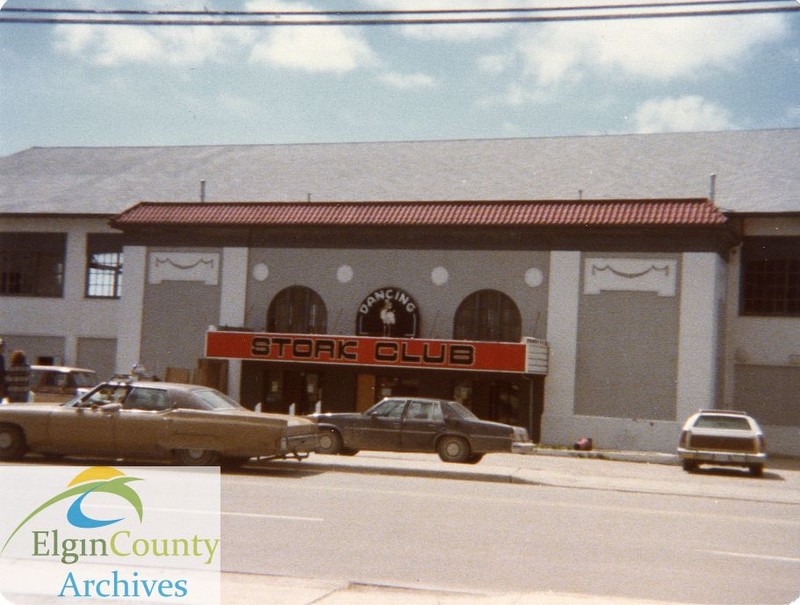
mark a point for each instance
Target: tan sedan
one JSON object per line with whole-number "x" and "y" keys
{"x": 187, "y": 424}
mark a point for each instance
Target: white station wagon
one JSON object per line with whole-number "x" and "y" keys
{"x": 725, "y": 438}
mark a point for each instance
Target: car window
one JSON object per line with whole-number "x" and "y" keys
{"x": 147, "y": 399}
{"x": 453, "y": 409}
{"x": 84, "y": 379}
{"x": 54, "y": 379}
{"x": 429, "y": 411}
{"x": 214, "y": 400}
{"x": 107, "y": 393}
{"x": 733, "y": 423}
{"x": 388, "y": 408}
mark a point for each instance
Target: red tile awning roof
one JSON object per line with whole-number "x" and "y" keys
{"x": 589, "y": 213}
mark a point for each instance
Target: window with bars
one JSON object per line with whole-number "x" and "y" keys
{"x": 103, "y": 265}
{"x": 488, "y": 315}
{"x": 770, "y": 279}
{"x": 297, "y": 310}
{"x": 32, "y": 264}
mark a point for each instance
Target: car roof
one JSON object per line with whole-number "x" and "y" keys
{"x": 415, "y": 398}
{"x": 64, "y": 369}
{"x": 723, "y": 412}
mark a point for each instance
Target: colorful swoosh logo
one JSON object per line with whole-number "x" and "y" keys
{"x": 96, "y": 479}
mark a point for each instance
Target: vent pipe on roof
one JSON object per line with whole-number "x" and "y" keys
{"x": 202, "y": 191}
{"x": 712, "y": 193}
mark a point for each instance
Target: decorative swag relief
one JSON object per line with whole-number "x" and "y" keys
{"x": 184, "y": 266}
{"x": 630, "y": 274}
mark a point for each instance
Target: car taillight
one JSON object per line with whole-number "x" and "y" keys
{"x": 762, "y": 444}
{"x": 684, "y": 438}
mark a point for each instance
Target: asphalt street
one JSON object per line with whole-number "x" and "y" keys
{"x": 596, "y": 483}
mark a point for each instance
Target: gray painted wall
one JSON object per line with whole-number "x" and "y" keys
{"x": 410, "y": 270}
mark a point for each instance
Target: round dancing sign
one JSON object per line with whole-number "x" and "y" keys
{"x": 388, "y": 312}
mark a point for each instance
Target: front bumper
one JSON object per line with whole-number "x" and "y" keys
{"x": 716, "y": 457}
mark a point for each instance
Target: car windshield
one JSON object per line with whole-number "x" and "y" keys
{"x": 733, "y": 423}
{"x": 215, "y": 400}
{"x": 461, "y": 411}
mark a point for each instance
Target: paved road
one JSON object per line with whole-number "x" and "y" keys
{"x": 389, "y": 528}
{"x": 520, "y": 524}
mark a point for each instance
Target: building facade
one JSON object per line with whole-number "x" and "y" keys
{"x": 591, "y": 315}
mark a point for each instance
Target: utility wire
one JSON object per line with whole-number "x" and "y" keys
{"x": 395, "y": 12}
{"x": 367, "y": 18}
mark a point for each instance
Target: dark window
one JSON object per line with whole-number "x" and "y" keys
{"x": 32, "y": 264}
{"x": 103, "y": 265}
{"x": 297, "y": 310}
{"x": 771, "y": 276}
{"x": 488, "y": 315}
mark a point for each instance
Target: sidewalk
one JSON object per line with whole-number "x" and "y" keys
{"x": 244, "y": 589}
{"x": 653, "y": 473}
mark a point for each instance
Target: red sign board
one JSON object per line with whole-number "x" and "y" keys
{"x": 369, "y": 351}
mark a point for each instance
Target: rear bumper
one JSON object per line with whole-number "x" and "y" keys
{"x": 733, "y": 458}
{"x": 299, "y": 444}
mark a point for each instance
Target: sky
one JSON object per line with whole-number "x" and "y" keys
{"x": 113, "y": 85}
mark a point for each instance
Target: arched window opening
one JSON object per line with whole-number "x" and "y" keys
{"x": 297, "y": 310}
{"x": 488, "y": 315}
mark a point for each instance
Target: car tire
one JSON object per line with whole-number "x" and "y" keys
{"x": 330, "y": 442}
{"x": 453, "y": 449}
{"x": 196, "y": 457}
{"x": 757, "y": 470}
{"x": 689, "y": 466}
{"x": 475, "y": 458}
{"x": 12, "y": 442}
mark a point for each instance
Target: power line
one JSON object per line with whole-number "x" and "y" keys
{"x": 408, "y": 17}
{"x": 394, "y": 12}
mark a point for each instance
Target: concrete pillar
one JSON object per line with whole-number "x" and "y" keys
{"x": 698, "y": 344}
{"x": 232, "y": 305}
{"x": 129, "y": 327}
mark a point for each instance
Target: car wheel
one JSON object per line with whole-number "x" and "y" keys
{"x": 757, "y": 470}
{"x": 689, "y": 466}
{"x": 12, "y": 442}
{"x": 475, "y": 458}
{"x": 453, "y": 449}
{"x": 196, "y": 457}
{"x": 330, "y": 442}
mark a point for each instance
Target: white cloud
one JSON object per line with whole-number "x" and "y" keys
{"x": 121, "y": 44}
{"x": 313, "y": 49}
{"x": 319, "y": 49}
{"x": 462, "y": 32}
{"x": 687, "y": 113}
{"x": 408, "y": 81}
{"x": 656, "y": 49}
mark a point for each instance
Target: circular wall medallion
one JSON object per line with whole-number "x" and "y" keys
{"x": 534, "y": 277}
{"x": 344, "y": 274}
{"x": 439, "y": 276}
{"x": 260, "y": 272}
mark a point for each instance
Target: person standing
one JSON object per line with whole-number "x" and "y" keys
{"x": 18, "y": 378}
{"x": 2, "y": 369}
